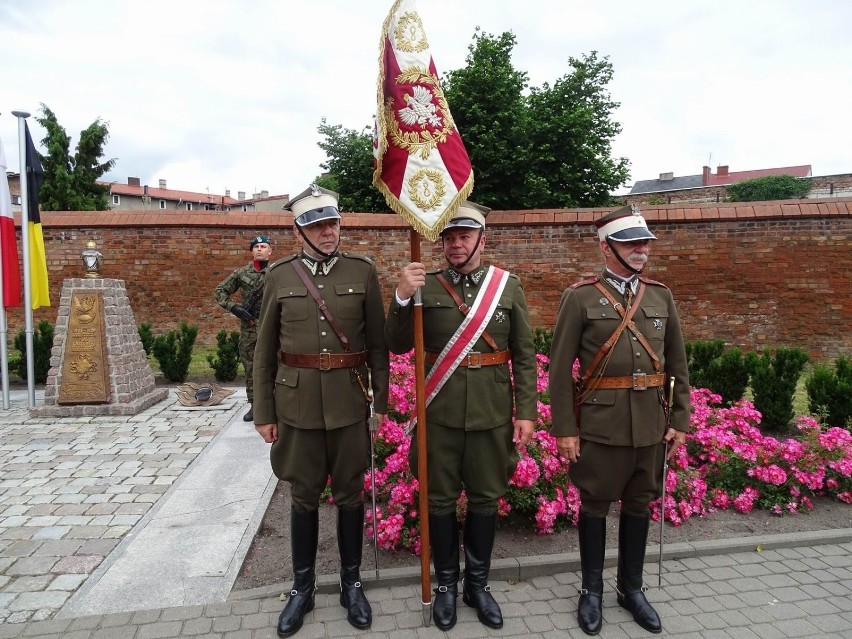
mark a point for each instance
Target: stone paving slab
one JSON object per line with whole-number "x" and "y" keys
{"x": 541, "y": 607}
{"x": 71, "y": 488}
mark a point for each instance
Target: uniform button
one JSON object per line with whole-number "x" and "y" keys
{"x": 594, "y": 400}
{"x": 322, "y": 319}
{"x": 323, "y": 333}
{"x": 437, "y": 303}
{"x": 320, "y": 285}
{"x": 638, "y": 354}
{"x": 351, "y": 291}
{"x": 325, "y": 350}
{"x": 634, "y": 339}
{"x": 470, "y": 294}
{"x": 603, "y": 314}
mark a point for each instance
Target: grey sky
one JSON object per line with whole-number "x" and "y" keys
{"x": 226, "y": 94}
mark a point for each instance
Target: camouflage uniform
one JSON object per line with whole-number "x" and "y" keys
{"x": 246, "y": 279}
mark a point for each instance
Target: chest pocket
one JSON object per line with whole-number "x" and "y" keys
{"x": 350, "y": 300}
{"x": 655, "y": 319}
{"x": 500, "y": 323}
{"x": 293, "y": 301}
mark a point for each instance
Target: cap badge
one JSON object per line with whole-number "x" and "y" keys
{"x": 315, "y": 190}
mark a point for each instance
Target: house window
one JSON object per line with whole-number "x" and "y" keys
{"x": 162, "y": 204}
{"x": 116, "y": 199}
{"x": 16, "y": 199}
{"x": 189, "y": 206}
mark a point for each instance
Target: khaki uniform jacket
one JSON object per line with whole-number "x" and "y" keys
{"x": 290, "y": 321}
{"x": 245, "y": 279}
{"x": 619, "y": 417}
{"x": 473, "y": 398}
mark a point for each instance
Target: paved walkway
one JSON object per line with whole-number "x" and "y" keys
{"x": 105, "y": 531}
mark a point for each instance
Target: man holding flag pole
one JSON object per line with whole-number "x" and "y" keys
{"x": 424, "y": 172}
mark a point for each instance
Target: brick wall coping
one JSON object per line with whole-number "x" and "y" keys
{"x": 781, "y": 209}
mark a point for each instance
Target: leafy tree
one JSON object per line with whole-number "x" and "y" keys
{"x": 770, "y": 187}
{"x": 70, "y": 182}
{"x": 350, "y": 168}
{"x": 571, "y": 132}
{"x": 487, "y": 103}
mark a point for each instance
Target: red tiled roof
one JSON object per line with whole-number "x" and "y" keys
{"x": 171, "y": 194}
{"x": 733, "y": 177}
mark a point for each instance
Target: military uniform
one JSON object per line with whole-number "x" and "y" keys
{"x": 311, "y": 399}
{"x": 622, "y": 414}
{"x": 246, "y": 279}
{"x": 312, "y": 393}
{"x": 473, "y": 399}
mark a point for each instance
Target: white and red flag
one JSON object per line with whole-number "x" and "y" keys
{"x": 11, "y": 271}
{"x": 421, "y": 165}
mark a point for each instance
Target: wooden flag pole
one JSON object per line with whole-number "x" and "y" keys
{"x": 422, "y": 461}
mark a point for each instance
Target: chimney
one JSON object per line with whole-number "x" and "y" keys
{"x": 666, "y": 177}
{"x": 722, "y": 171}
{"x": 241, "y": 195}
{"x": 705, "y": 176}
{"x": 162, "y": 183}
{"x": 227, "y": 192}
{"x": 264, "y": 193}
{"x": 133, "y": 181}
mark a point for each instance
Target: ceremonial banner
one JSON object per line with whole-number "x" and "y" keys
{"x": 40, "y": 289}
{"x": 8, "y": 241}
{"x": 421, "y": 165}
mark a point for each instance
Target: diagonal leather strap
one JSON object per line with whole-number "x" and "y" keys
{"x": 631, "y": 325}
{"x": 465, "y": 309}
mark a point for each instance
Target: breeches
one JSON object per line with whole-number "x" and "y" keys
{"x": 306, "y": 458}
{"x": 248, "y": 338}
{"x": 605, "y": 474}
{"x": 480, "y": 462}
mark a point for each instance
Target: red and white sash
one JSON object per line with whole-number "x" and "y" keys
{"x": 466, "y": 334}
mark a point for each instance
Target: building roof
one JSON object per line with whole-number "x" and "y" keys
{"x": 673, "y": 184}
{"x": 732, "y": 177}
{"x": 172, "y": 194}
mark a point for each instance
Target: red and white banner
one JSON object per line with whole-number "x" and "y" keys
{"x": 421, "y": 165}
{"x": 8, "y": 242}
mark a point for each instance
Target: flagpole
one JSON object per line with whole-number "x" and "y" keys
{"x": 4, "y": 332}
{"x": 25, "y": 242}
{"x": 422, "y": 460}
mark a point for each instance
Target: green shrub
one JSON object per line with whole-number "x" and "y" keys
{"x": 226, "y": 362}
{"x": 830, "y": 392}
{"x": 770, "y": 187}
{"x": 147, "y": 338}
{"x": 773, "y": 383}
{"x": 543, "y": 339}
{"x": 699, "y": 355}
{"x": 42, "y": 345}
{"x": 727, "y": 375}
{"x": 173, "y": 351}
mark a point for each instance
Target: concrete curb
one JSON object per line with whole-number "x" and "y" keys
{"x": 524, "y": 568}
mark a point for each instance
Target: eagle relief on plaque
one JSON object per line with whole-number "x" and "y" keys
{"x": 85, "y": 374}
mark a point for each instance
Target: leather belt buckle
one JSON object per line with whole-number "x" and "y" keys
{"x": 474, "y": 359}
{"x": 325, "y": 361}
{"x": 640, "y": 381}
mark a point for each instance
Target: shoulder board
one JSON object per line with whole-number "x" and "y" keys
{"x": 283, "y": 260}
{"x": 588, "y": 282}
{"x": 356, "y": 256}
{"x": 514, "y": 277}
{"x": 650, "y": 282}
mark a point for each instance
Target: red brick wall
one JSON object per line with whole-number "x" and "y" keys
{"x": 757, "y": 274}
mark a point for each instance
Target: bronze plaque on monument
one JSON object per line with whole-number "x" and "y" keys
{"x": 85, "y": 375}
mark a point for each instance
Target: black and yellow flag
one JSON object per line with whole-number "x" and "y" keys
{"x": 38, "y": 261}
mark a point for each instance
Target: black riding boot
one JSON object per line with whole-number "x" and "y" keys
{"x": 304, "y": 532}
{"x": 632, "y": 536}
{"x": 592, "y": 533}
{"x": 350, "y": 540}
{"x": 478, "y": 543}
{"x": 444, "y": 536}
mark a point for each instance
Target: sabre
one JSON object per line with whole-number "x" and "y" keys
{"x": 665, "y": 472}
{"x": 373, "y": 426}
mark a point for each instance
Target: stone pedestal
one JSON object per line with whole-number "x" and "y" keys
{"x": 131, "y": 380}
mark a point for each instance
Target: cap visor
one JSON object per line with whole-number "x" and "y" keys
{"x": 632, "y": 234}
{"x": 317, "y": 215}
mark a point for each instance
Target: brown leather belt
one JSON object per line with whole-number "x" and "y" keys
{"x": 637, "y": 381}
{"x": 476, "y": 360}
{"x": 323, "y": 361}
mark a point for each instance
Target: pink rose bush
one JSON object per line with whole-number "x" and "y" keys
{"x": 727, "y": 463}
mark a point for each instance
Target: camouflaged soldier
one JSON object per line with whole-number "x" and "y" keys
{"x": 624, "y": 329}
{"x": 311, "y": 394}
{"x": 248, "y": 280}
{"x": 472, "y": 428}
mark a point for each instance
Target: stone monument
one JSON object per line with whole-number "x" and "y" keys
{"x": 97, "y": 365}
